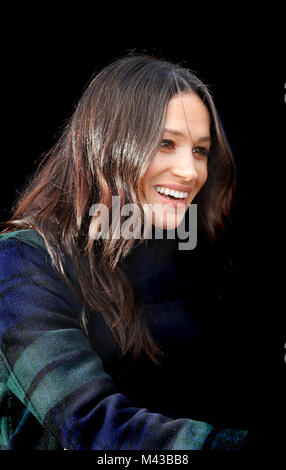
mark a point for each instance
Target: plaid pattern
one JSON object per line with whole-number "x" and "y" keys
{"x": 54, "y": 390}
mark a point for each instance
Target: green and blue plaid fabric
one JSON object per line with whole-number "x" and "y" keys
{"x": 59, "y": 390}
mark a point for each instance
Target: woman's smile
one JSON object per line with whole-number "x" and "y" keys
{"x": 166, "y": 195}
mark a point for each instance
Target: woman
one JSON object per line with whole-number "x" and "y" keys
{"x": 102, "y": 332}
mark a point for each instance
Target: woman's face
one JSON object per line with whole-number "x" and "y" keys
{"x": 180, "y": 163}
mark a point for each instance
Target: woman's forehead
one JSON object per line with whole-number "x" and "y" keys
{"x": 185, "y": 112}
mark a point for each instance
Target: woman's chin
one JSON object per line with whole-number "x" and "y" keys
{"x": 164, "y": 221}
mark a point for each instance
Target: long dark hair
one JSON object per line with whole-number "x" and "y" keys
{"x": 105, "y": 150}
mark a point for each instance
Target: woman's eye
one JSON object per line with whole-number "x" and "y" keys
{"x": 202, "y": 151}
{"x": 167, "y": 144}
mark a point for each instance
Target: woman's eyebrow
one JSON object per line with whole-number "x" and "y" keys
{"x": 181, "y": 134}
{"x": 205, "y": 139}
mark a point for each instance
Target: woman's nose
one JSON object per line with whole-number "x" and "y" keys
{"x": 185, "y": 167}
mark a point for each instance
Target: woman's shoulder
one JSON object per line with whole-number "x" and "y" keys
{"x": 27, "y": 247}
{"x": 24, "y": 259}
{"x": 29, "y": 236}
{"x": 24, "y": 253}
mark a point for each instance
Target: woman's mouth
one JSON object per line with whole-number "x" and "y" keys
{"x": 170, "y": 196}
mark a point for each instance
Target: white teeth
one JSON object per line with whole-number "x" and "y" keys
{"x": 171, "y": 192}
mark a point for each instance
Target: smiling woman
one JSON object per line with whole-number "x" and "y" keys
{"x": 178, "y": 170}
{"x": 100, "y": 336}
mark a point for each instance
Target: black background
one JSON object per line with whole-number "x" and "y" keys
{"x": 47, "y": 62}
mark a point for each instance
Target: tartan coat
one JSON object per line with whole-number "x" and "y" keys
{"x": 60, "y": 390}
